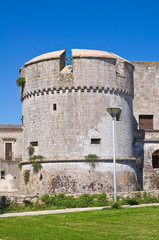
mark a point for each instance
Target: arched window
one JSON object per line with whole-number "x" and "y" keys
{"x": 155, "y": 159}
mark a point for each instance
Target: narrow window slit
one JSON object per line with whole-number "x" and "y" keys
{"x": 54, "y": 107}
{"x": 34, "y": 144}
{"x": 95, "y": 140}
{"x": 2, "y": 174}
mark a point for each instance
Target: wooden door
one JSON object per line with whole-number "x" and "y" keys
{"x": 8, "y": 149}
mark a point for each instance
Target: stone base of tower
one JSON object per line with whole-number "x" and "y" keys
{"x": 77, "y": 177}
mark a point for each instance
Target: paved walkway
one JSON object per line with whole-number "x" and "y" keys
{"x": 68, "y": 210}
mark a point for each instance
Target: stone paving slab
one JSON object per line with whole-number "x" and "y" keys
{"x": 68, "y": 210}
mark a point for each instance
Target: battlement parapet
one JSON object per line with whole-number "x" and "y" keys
{"x": 89, "y": 68}
{"x": 107, "y": 90}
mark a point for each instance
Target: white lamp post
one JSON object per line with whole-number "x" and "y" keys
{"x": 113, "y": 113}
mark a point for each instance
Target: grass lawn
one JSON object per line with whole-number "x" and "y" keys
{"x": 129, "y": 223}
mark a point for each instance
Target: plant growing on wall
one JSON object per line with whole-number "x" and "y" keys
{"x": 91, "y": 159}
{"x": 36, "y": 157}
{"x": 36, "y": 164}
{"x": 31, "y": 150}
{"x": 26, "y": 176}
{"x": 138, "y": 160}
{"x": 69, "y": 61}
{"x": 20, "y": 82}
{"x": 36, "y": 167}
{"x": 21, "y": 120}
{"x": 20, "y": 166}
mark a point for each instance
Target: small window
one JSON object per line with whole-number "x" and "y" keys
{"x": 54, "y": 107}
{"x": 2, "y": 174}
{"x": 34, "y": 144}
{"x": 118, "y": 116}
{"x": 155, "y": 159}
{"x": 95, "y": 141}
{"x": 146, "y": 122}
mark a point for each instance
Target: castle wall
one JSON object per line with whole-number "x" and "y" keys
{"x": 146, "y": 102}
{"x": 80, "y": 117}
{"x": 40, "y": 74}
{"x": 79, "y": 177}
{"x": 146, "y": 91}
{"x": 146, "y": 144}
{"x": 111, "y": 72}
{"x": 94, "y": 72}
{"x": 150, "y": 174}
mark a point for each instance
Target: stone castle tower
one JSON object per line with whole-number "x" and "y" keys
{"x": 64, "y": 108}
{"x": 65, "y": 118}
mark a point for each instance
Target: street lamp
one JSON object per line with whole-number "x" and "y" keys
{"x": 113, "y": 113}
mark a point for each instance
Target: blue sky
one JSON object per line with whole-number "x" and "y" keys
{"x": 30, "y": 28}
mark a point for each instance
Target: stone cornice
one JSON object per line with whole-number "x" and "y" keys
{"x": 45, "y": 91}
{"x": 45, "y": 57}
{"x": 10, "y": 127}
{"x": 85, "y": 53}
{"x": 102, "y": 159}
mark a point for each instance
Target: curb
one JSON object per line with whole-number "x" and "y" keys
{"x": 69, "y": 210}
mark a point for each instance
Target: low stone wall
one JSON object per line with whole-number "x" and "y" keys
{"x": 19, "y": 199}
{"x": 36, "y": 199}
{"x": 79, "y": 177}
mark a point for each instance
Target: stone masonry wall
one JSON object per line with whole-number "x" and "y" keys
{"x": 150, "y": 174}
{"x": 146, "y": 143}
{"x": 80, "y": 116}
{"x": 79, "y": 177}
{"x": 146, "y": 102}
{"x": 102, "y": 73}
{"x": 146, "y": 91}
{"x": 11, "y": 177}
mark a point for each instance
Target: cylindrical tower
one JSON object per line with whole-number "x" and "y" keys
{"x": 64, "y": 107}
{"x": 64, "y": 110}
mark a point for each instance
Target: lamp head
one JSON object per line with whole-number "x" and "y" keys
{"x": 113, "y": 111}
